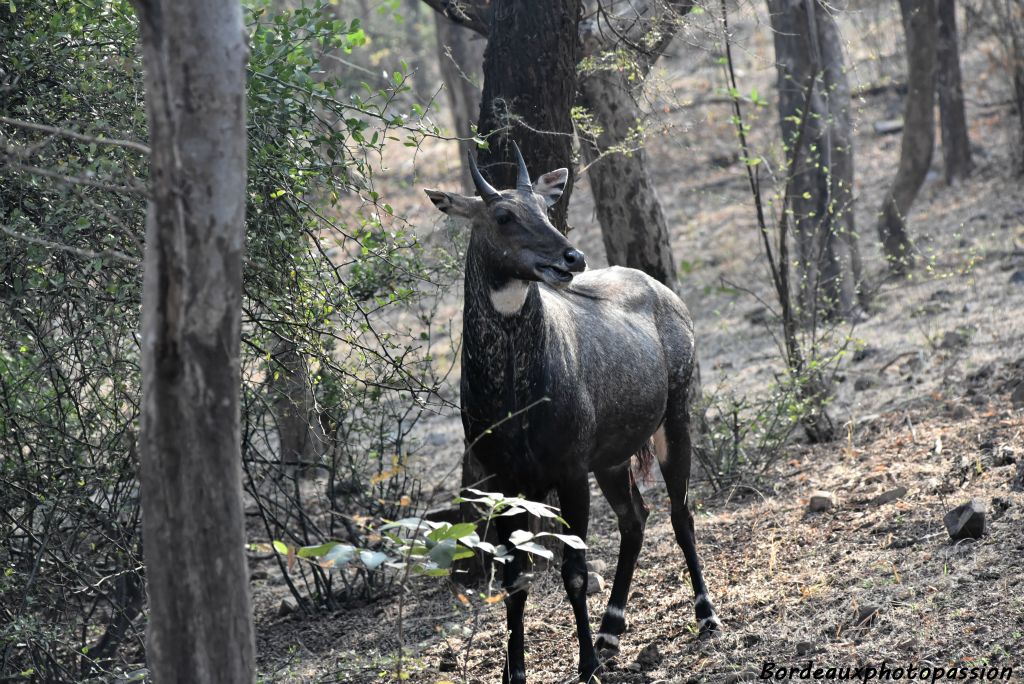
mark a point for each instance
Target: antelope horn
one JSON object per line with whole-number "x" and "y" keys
{"x": 523, "y": 181}
{"x": 487, "y": 192}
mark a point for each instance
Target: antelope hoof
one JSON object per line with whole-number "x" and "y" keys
{"x": 517, "y": 676}
{"x": 588, "y": 673}
{"x": 710, "y": 627}
{"x": 607, "y": 646}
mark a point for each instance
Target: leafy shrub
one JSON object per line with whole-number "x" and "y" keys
{"x": 321, "y": 364}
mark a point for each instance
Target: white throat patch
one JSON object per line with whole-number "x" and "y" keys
{"x": 510, "y": 299}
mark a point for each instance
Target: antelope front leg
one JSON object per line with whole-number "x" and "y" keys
{"x": 574, "y": 500}
{"x": 514, "y": 671}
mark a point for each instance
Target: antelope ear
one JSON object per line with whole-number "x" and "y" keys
{"x": 551, "y": 184}
{"x": 452, "y": 204}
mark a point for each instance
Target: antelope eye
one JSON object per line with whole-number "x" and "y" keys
{"x": 503, "y": 216}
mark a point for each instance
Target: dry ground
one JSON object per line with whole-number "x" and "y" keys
{"x": 923, "y": 409}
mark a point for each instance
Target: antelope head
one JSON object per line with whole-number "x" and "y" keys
{"x": 511, "y": 230}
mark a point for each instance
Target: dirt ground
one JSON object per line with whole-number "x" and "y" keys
{"x": 926, "y": 405}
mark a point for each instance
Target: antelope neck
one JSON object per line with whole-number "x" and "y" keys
{"x": 488, "y": 291}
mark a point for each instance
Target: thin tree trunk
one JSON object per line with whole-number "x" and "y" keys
{"x": 529, "y": 91}
{"x": 919, "y": 25}
{"x": 461, "y": 54}
{"x": 821, "y": 192}
{"x": 300, "y": 434}
{"x": 422, "y": 84}
{"x": 200, "y": 622}
{"x": 956, "y": 148}
{"x": 633, "y": 225}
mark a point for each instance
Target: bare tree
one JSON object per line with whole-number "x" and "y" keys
{"x": 919, "y": 24}
{"x": 956, "y": 148}
{"x": 200, "y": 625}
{"x": 1004, "y": 21}
{"x": 808, "y": 47}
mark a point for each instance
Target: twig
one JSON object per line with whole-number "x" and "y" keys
{"x": 77, "y": 251}
{"x": 75, "y": 180}
{"x": 67, "y": 133}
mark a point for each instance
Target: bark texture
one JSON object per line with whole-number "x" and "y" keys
{"x": 919, "y": 25}
{"x": 529, "y": 91}
{"x": 301, "y": 436}
{"x": 633, "y": 225}
{"x": 956, "y": 148}
{"x": 807, "y": 43}
{"x": 200, "y": 623}
{"x": 461, "y": 54}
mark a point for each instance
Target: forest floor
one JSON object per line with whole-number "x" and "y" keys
{"x": 931, "y": 403}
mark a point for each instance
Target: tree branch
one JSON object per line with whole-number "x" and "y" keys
{"x": 66, "y": 133}
{"x": 605, "y": 31}
{"x": 77, "y": 251}
{"x": 75, "y": 180}
{"x": 468, "y": 14}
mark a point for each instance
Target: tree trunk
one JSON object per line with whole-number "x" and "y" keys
{"x": 633, "y": 225}
{"x": 461, "y": 54}
{"x": 300, "y": 434}
{"x": 956, "y": 149}
{"x": 807, "y": 43}
{"x": 200, "y": 623}
{"x": 919, "y": 25}
{"x": 529, "y": 91}
{"x": 423, "y": 85}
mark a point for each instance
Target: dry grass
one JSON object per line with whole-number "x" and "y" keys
{"x": 934, "y": 418}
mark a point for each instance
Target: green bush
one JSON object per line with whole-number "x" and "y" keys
{"x": 322, "y": 271}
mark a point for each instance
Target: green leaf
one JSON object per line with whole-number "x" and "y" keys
{"x": 373, "y": 559}
{"x": 570, "y": 540}
{"x": 444, "y": 553}
{"x": 536, "y": 549}
{"x": 316, "y": 551}
{"x": 339, "y": 555}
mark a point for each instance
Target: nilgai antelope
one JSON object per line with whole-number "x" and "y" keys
{"x": 588, "y": 364}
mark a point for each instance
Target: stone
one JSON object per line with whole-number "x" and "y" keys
{"x": 864, "y": 353}
{"x": 449, "y": 661}
{"x": 866, "y": 615}
{"x": 259, "y": 575}
{"x": 595, "y": 583}
{"x": 888, "y": 126}
{"x": 959, "y": 412}
{"x": 1004, "y": 455}
{"x": 597, "y": 565}
{"x": 1017, "y": 277}
{"x": 864, "y": 382}
{"x": 954, "y": 339}
{"x": 821, "y": 501}
{"x": 966, "y": 521}
{"x": 287, "y": 607}
{"x": 889, "y": 496}
{"x": 747, "y": 675}
{"x": 633, "y": 667}
{"x": 803, "y": 647}
{"x": 649, "y": 657}
{"x": 758, "y": 316}
{"x": 910, "y": 644}
{"x": 1017, "y": 397}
